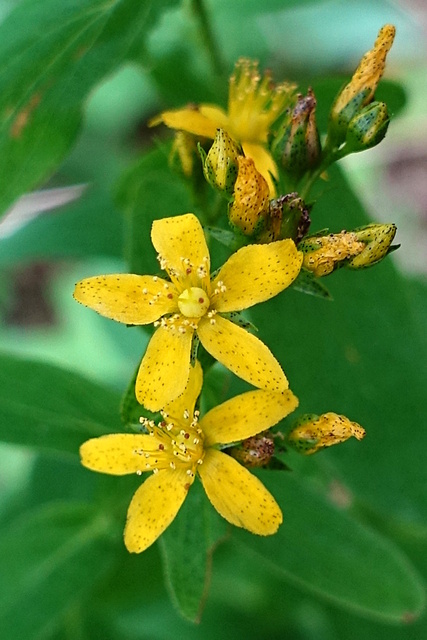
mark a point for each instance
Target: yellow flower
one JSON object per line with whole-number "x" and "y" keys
{"x": 191, "y": 303}
{"x": 182, "y": 446}
{"x": 318, "y": 432}
{"x": 253, "y": 106}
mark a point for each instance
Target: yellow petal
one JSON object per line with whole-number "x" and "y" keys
{"x": 181, "y": 243}
{"x": 256, "y": 273}
{"x": 242, "y": 353}
{"x": 192, "y": 120}
{"x": 164, "y": 370}
{"x": 183, "y": 407}
{"x": 117, "y": 453}
{"x": 246, "y": 415}
{"x": 263, "y": 162}
{"x": 154, "y": 506}
{"x": 216, "y": 115}
{"x": 127, "y": 298}
{"x": 238, "y": 495}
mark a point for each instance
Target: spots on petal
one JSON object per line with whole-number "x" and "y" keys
{"x": 242, "y": 353}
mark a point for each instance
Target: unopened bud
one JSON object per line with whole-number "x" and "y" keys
{"x": 256, "y": 451}
{"x": 250, "y": 202}
{"x": 220, "y": 164}
{"x": 313, "y": 433}
{"x": 323, "y": 254}
{"x": 297, "y": 146}
{"x": 377, "y": 239}
{"x": 367, "y": 128}
{"x": 183, "y": 152}
{"x": 288, "y": 217}
{"x": 359, "y": 92}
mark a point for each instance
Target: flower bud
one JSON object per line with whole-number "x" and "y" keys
{"x": 183, "y": 151}
{"x": 367, "y": 128}
{"x": 359, "y": 92}
{"x": 313, "y": 433}
{"x": 377, "y": 239}
{"x": 256, "y": 451}
{"x": 297, "y": 147}
{"x": 288, "y": 217}
{"x": 250, "y": 204}
{"x": 220, "y": 164}
{"x": 323, "y": 254}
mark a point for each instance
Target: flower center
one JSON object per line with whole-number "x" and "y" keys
{"x": 193, "y": 302}
{"x": 175, "y": 443}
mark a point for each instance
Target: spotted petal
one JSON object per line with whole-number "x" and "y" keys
{"x": 117, "y": 453}
{"x": 256, "y": 273}
{"x": 242, "y": 353}
{"x": 263, "y": 162}
{"x": 154, "y": 506}
{"x": 246, "y": 415}
{"x": 192, "y": 120}
{"x": 164, "y": 370}
{"x": 238, "y": 495}
{"x": 181, "y": 238}
{"x": 183, "y": 406}
{"x": 127, "y": 298}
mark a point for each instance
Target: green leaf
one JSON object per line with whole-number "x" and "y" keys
{"x": 51, "y": 55}
{"x": 322, "y": 548}
{"x": 52, "y": 409}
{"x": 306, "y": 282}
{"x": 51, "y": 558}
{"x": 187, "y": 546}
{"x": 147, "y": 192}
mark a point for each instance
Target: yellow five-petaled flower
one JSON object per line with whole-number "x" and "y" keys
{"x": 254, "y": 103}
{"x": 182, "y": 446}
{"x": 190, "y": 302}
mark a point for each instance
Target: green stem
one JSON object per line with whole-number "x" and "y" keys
{"x": 199, "y": 11}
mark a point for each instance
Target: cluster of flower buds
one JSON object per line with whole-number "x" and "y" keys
{"x": 250, "y": 209}
{"x": 356, "y": 249}
{"x": 355, "y": 119}
{"x": 313, "y": 433}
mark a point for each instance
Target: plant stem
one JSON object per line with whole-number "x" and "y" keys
{"x": 199, "y": 10}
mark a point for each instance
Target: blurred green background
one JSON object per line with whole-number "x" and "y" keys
{"x": 352, "y": 559}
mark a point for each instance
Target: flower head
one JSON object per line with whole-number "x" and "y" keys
{"x": 254, "y": 104}
{"x": 183, "y": 446}
{"x": 191, "y": 302}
